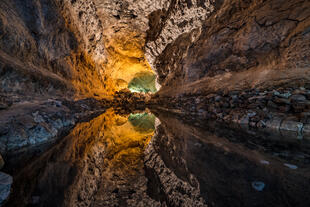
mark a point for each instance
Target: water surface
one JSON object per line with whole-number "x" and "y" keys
{"x": 137, "y": 159}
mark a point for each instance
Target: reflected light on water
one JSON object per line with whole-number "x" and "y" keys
{"x": 125, "y": 138}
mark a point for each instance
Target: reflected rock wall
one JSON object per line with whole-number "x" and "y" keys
{"x": 93, "y": 159}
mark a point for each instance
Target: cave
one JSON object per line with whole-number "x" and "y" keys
{"x": 172, "y": 103}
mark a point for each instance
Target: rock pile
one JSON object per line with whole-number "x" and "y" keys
{"x": 127, "y": 99}
{"x": 280, "y": 109}
{"x": 26, "y": 125}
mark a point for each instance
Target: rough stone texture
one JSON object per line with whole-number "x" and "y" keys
{"x": 168, "y": 23}
{"x": 169, "y": 186}
{"x": 33, "y": 124}
{"x": 30, "y": 124}
{"x": 5, "y": 186}
{"x": 45, "y": 48}
{"x": 70, "y": 169}
{"x": 243, "y": 44}
{"x": 284, "y": 109}
{"x": 1, "y": 162}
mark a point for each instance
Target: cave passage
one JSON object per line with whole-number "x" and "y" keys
{"x": 143, "y": 82}
{"x": 170, "y": 103}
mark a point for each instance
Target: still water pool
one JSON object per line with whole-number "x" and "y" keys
{"x": 139, "y": 159}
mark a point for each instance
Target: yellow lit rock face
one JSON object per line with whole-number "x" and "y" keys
{"x": 108, "y": 149}
{"x": 87, "y": 76}
{"x": 125, "y": 57}
{"x": 122, "y": 143}
{"x": 108, "y": 55}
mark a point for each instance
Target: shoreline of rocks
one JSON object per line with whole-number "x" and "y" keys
{"x": 286, "y": 109}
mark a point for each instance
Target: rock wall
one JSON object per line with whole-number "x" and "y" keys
{"x": 95, "y": 47}
{"x": 49, "y": 47}
{"x": 238, "y": 64}
{"x": 242, "y": 44}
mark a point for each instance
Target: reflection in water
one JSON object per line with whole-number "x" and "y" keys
{"x": 229, "y": 168}
{"x": 97, "y": 157}
{"x": 122, "y": 160}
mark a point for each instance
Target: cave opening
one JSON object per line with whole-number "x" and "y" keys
{"x": 143, "y": 82}
{"x": 127, "y": 65}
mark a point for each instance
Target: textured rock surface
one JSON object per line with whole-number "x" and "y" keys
{"x": 285, "y": 110}
{"x": 29, "y": 124}
{"x": 5, "y": 186}
{"x": 94, "y": 47}
{"x": 46, "y": 47}
{"x": 243, "y": 44}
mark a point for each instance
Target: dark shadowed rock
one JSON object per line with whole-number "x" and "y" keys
{"x": 5, "y": 186}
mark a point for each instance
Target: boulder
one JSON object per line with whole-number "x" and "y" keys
{"x": 298, "y": 98}
{"x": 5, "y": 186}
{"x": 291, "y": 125}
{"x": 282, "y": 100}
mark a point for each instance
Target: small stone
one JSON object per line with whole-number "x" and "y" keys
{"x": 37, "y": 117}
{"x": 298, "y": 98}
{"x": 257, "y": 98}
{"x": 252, "y": 124}
{"x": 283, "y": 95}
{"x": 35, "y": 199}
{"x": 264, "y": 162}
{"x": 282, "y": 100}
{"x": 293, "y": 167}
{"x": 234, "y": 97}
{"x": 298, "y": 91}
{"x": 58, "y": 103}
{"x": 270, "y": 104}
{"x": 285, "y": 108}
{"x": 299, "y": 107}
{"x": 244, "y": 120}
{"x": 258, "y": 185}
{"x": 251, "y": 114}
{"x": 306, "y": 131}
{"x": 217, "y": 98}
{"x": 210, "y": 96}
{"x": 198, "y": 145}
{"x": 290, "y": 125}
{"x": 261, "y": 124}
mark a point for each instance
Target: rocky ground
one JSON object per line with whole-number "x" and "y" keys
{"x": 284, "y": 109}
{"x": 28, "y": 128}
